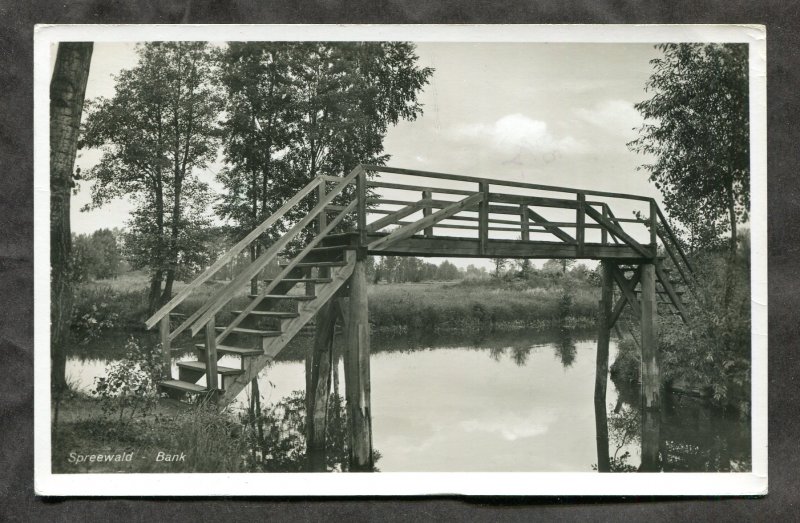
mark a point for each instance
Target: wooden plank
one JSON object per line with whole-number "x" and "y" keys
{"x": 623, "y": 300}
{"x": 653, "y": 224}
{"x": 525, "y": 223}
{"x": 212, "y": 379}
{"x": 415, "y": 188}
{"x": 674, "y": 240}
{"x": 651, "y": 379}
{"x": 285, "y": 272}
{"x": 550, "y": 227}
{"x": 166, "y": 348}
{"x": 625, "y": 286}
{"x": 534, "y": 201}
{"x": 361, "y": 199}
{"x": 318, "y": 385}
{"x": 596, "y": 216}
{"x": 232, "y": 253}
{"x": 505, "y": 183}
{"x": 483, "y": 217}
{"x": 672, "y": 257}
{"x": 394, "y": 217}
{"x": 322, "y": 219}
{"x": 224, "y": 295}
{"x": 604, "y": 231}
{"x": 461, "y": 247}
{"x": 356, "y": 373}
{"x": 409, "y": 230}
{"x": 426, "y": 195}
{"x": 580, "y": 219}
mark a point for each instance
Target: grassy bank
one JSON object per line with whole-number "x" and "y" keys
{"x": 473, "y": 305}
{"x": 480, "y": 305}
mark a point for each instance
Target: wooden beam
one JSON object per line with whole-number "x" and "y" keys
{"x": 212, "y": 378}
{"x": 626, "y": 288}
{"x": 663, "y": 278}
{"x": 166, "y": 354}
{"x": 601, "y": 366}
{"x": 599, "y": 218}
{"x": 361, "y": 198}
{"x": 426, "y": 195}
{"x": 651, "y": 379}
{"x": 357, "y": 376}
{"x": 318, "y": 385}
{"x": 394, "y": 217}
{"x": 409, "y": 230}
{"x": 483, "y": 217}
{"x": 538, "y": 219}
{"x": 524, "y": 220}
{"x": 580, "y": 218}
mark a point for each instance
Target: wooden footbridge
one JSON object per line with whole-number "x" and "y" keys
{"x": 383, "y": 211}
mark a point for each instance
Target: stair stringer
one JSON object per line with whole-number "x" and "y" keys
{"x": 273, "y": 346}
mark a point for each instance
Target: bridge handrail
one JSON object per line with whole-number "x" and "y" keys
{"x": 232, "y": 253}
{"x": 673, "y": 239}
{"x": 224, "y": 295}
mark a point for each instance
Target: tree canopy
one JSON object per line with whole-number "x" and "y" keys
{"x": 155, "y": 132}
{"x": 697, "y": 130}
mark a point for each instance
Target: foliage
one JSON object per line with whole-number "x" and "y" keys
{"x": 131, "y": 383}
{"x": 90, "y": 319}
{"x": 282, "y": 446}
{"x": 697, "y": 129}
{"x": 157, "y": 129}
{"x": 96, "y": 255}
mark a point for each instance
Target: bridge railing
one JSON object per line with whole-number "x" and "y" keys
{"x": 498, "y": 207}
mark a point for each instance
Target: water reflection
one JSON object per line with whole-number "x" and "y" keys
{"x": 508, "y": 401}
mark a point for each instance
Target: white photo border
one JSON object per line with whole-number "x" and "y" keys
{"x": 386, "y": 483}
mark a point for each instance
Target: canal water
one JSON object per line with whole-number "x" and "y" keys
{"x": 500, "y": 402}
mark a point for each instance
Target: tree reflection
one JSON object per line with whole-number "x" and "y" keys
{"x": 565, "y": 348}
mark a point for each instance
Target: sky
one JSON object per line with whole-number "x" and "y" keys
{"x": 557, "y": 114}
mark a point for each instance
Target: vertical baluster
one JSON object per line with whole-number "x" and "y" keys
{"x": 322, "y": 219}
{"x": 166, "y": 357}
{"x": 580, "y": 230}
{"x": 526, "y": 226}
{"x": 603, "y": 231}
{"x": 426, "y": 211}
{"x": 361, "y": 189}
{"x": 483, "y": 217}
{"x": 654, "y": 227}
{"x": 211, "y": 355}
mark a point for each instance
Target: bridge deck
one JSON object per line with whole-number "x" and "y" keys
{"x": 458, "y": 247}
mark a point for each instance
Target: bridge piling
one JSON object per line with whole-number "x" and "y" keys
{"x": 356, "y": 372}
{"x": 601, "y": 366}
{"x": 651, "y": 379}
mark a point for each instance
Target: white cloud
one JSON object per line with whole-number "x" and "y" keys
{"x": 516, "y": 132}
{"x": 617, "y": 117}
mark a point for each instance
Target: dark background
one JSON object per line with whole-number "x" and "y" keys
{"x": 17, "y": 499}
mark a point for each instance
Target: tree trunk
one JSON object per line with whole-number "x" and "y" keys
{"x": 67, "y": 93}
{"x": 155, "y": 291}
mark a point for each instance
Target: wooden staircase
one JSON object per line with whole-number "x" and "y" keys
{"x": 283, "y": 305}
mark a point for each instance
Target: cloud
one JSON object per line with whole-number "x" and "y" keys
{"x": 617, "y": 117}
{"x": 511, "y": 427}
{"x": 515, "y": 132}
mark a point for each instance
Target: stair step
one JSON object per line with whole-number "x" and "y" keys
{"x": 329, "y": 248}
{"x": 254, "y": 332}
{"x": 271, "y": 314}
{"x": 665, "y": 293}
{"x": 318, "y": 264}
{"x": 201, "y": 366}
{"x": 303, "y": 280}
{"x": 183, "y": 386}
{"x": 284, "y": 297}
{"x": 235, "y": 351}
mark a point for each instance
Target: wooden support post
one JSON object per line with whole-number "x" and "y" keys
{"x": 601, "y": 366}
{"x": 483, "y": 217}
{"x": 526, "y": 225}
{"x": 603, "y": 231}
{"x": 361, "y": 206}
{"x": 651, "y": 436}
{"x": 318, "y": 385}
{"x": 651, "y": 380}
{"x": 322, "y": 219}
{"x": 654, "y": 227}
{"x": 356, "y": 373}
{"x": 166, "y": 354}
{"x": 212, "y": 380}
{"x": 580, "y": 229}
{"x": 426, "y": 211}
